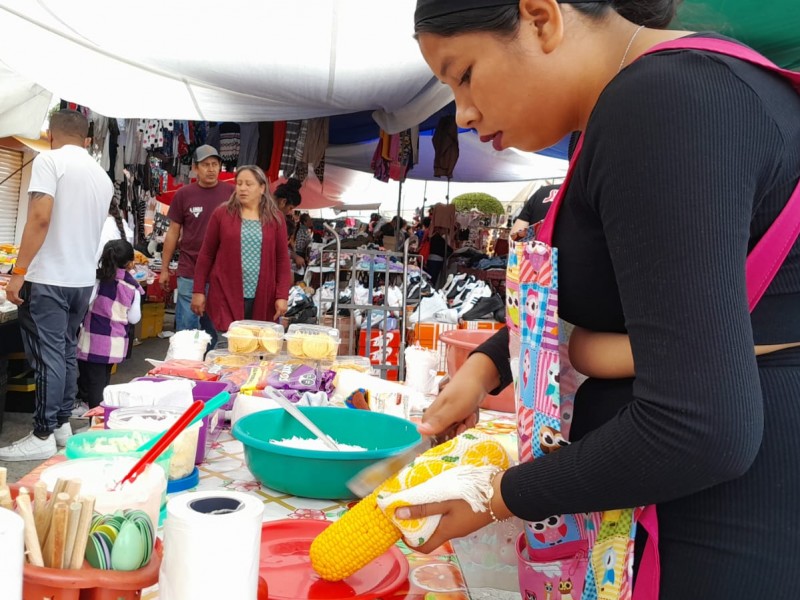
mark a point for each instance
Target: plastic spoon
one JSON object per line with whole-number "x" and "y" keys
{"x": 306, "y": 422}
{"x": 210, "y": 406}
{"x": 162, "y": 444}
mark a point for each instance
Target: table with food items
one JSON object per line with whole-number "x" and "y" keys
{"x": 195, "y": 482}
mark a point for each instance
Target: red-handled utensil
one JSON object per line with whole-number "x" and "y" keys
{"x": 164, "y": 442}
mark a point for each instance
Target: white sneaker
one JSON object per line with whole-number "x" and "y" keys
{"x": 427, "y": 309}
{"x": 479, "y": 291}
{"x": 449, "y": 315}
{"x": 29, "y": 448}
{"x": 62, "y": 434}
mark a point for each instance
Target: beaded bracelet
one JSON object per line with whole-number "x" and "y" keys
{"x": 491, "y": 496}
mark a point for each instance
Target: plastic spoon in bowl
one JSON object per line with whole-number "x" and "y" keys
{"x": 297, "y": 414}
{"x": 162, "y": 444}
{"x": 210, "y": 406}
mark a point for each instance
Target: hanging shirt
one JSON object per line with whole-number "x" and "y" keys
{"x": 251, "y": 256}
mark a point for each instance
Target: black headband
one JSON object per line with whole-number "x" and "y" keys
{"x": 431, "y": 9}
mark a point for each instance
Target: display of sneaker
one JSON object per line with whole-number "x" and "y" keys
{"x": 466, "y": 290}
{"x": 449, "y": 315}
{"x": 479, "y": 292}
{"x": 457, "y": 285}
{"x": 427, "y": 309}
{"x": 62, "y": 434}
{"x": 484, "y": 308}
{"x": 29, "y": 448}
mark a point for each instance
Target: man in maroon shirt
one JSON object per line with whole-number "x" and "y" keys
{"x": 189, "y": 214}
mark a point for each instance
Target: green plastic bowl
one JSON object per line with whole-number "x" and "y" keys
{"x": 319, "y": 473}
{"x": 84, "y": 445}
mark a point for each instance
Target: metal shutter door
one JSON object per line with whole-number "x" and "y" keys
{"x": 10, "y": 162}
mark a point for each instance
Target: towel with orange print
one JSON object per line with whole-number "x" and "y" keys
{"x": 460, "y": 468}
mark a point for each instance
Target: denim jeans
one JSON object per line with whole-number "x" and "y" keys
{"x": 185, "y": 318}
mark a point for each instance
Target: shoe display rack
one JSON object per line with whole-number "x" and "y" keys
{"x": 372, "y": 265}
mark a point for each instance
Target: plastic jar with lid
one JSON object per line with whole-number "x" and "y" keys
{"x": 150, "y": 418}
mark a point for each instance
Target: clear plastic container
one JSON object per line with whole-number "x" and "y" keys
{"x": 249, "y": 337}
{"x": 352, "y": 363}
{"x": 147, "y": 418}
{"x": 105, "y": 443}
{"x": 315, "y": 342}
{"x": 225, "y": 358}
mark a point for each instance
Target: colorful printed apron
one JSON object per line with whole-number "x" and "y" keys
{"x": 590, "y": 556}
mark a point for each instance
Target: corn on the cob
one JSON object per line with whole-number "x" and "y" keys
{"x": 365, "y": 531}
{"x": 355, "y": 540}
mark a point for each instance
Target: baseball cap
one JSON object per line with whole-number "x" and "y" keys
{"x": 204, "y": 152}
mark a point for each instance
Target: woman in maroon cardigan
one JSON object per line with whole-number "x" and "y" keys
{"x": 244, "y": 258}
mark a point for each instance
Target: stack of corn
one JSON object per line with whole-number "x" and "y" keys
{"x": 366, "y": 532}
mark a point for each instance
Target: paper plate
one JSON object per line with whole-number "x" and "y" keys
{"x": 286, "y": 567}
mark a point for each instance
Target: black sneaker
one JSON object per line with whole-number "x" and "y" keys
{"x": 485, "y": 308}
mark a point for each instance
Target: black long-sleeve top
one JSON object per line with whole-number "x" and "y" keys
{"x": 688, "y": 158}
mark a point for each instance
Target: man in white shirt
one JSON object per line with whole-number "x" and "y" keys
{"x": 69, "y": 195}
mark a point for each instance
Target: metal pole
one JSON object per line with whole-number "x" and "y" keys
{"x": 336, "y": 281}
{"x": 397, "y": 223}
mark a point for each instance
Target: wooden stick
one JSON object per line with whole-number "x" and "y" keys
{"x": 47, "y": 518}
{"x": 3, "y": 475}
{"x": 58, "y": 535}
{"x": 73, "y": 488}
{"x": 50, "y": 539}
{"x": 5, "y": 499}
{"x": 82, "y": 535}
{"x": 39, "y": 500}
{"x": 72, "y": 529}
{"x": 32, "y": 547}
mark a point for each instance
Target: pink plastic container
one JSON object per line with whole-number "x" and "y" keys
{"x": 459, "y": 343}
{"x": 202, "y": 390}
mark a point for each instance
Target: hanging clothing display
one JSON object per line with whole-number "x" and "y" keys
{"x": 288, "y": 160}
{"x": 264, "y": 146}
{"x": 445, "y": 146}
{"x": 278, "y": 139}
{"x": 229, "y": 144}
{"x": 248, "y": 149}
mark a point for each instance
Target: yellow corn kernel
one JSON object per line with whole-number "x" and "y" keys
{"x": 359, "y": 537}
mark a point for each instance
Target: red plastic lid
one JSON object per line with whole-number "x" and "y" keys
{"x": 287, "y": 569}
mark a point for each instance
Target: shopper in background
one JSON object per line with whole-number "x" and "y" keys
{"x": 114, "y": 228}
{"x": 189, "y": 215}
{"x": 68, "y": 200}
{"x": 535, "y": 208}
{"x": 440, "y": 251}
{"x": 244, "y": 259}
{"x": 104, "y": 337}
{"x": 287, "y": 198}
{"x": 687, "y": 158}
{"x": 303, "y": 235}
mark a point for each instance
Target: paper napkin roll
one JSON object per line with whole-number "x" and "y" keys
{"x": 12, "y": 551}
{"x": 212, "y": 543}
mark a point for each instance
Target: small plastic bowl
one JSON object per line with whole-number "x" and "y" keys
{"x": 319, "y": 473}
{"x": 102, "y": 443}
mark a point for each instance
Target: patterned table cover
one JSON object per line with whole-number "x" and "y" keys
{"x": 435, "y": 576}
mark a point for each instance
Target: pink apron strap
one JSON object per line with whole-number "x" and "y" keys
{"x": 649, "y": 574}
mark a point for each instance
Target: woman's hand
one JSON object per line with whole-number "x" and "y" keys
{"x": 456, "y": 408}
{"x": 281, "y": 306}
{"x": 458, "y": 518}
{"x": 199, "y": 304}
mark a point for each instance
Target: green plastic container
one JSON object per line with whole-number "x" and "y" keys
{"x": 84, "y": 445}
{"x": 319, "y": 473}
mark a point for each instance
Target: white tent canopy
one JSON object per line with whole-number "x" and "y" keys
{"x": 242, "y": 60}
